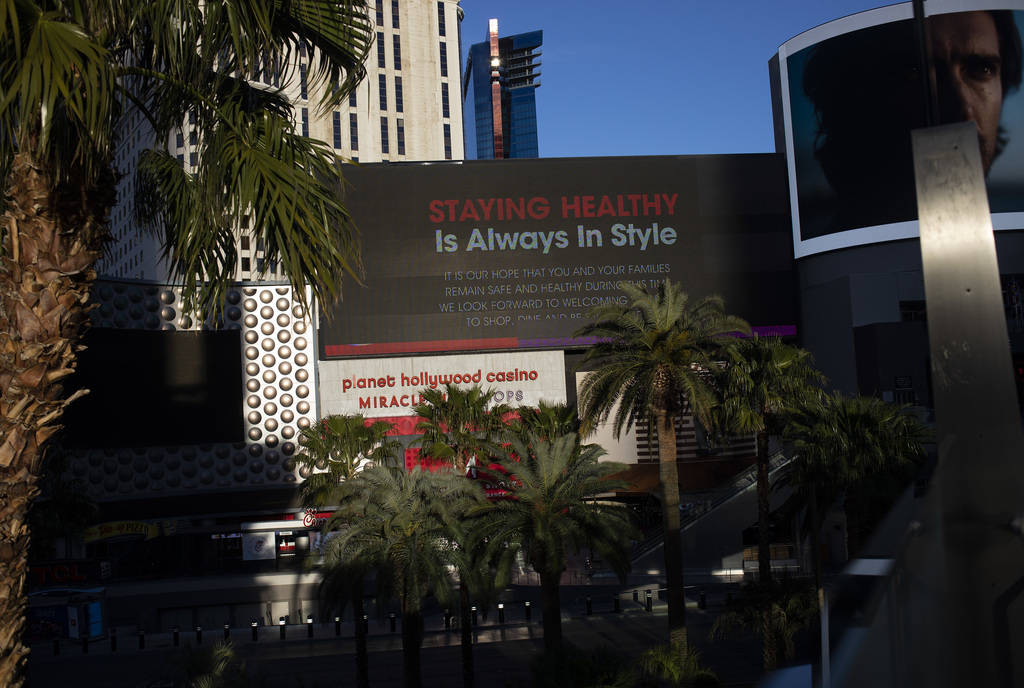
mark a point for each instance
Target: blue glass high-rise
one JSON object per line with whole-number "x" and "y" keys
{"x": 499, "y": 96}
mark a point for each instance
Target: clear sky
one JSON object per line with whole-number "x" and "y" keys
{"x": 654, "y": 77}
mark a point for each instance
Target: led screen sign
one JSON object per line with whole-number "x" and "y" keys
{"x": 850, "y": 93}
{"x": 498, "y": 255}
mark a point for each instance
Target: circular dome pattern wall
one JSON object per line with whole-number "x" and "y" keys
{"x": 279, "y": 395}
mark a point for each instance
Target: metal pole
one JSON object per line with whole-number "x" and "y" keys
{"x": 826, "y": 670}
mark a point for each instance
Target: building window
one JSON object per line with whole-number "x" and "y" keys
{"x": 352, "y": 99}
{"x": 305, "y": 121}
{"x": 337, "y": 130}
{"x": 444, "y": 59}
{"x": 394, "y": 14}
{"x": 446, "y": 108}
{"x": 384, "y": 135}
{"x": 400, "y": 136}
{"x": 440, "y": 18}
{"x": 398, "y": 94}
{"x": 380, "y": 12}
{"x": 245, "y": 243}
{"x": 353, "y": 131}
{"x": 245, "y": 265}
{"x": 193, "y": 138}
{"x": 398, "y": 51}
{"x": 181, "y": 159}
{"x": 447, "y": 142}
{"x": 192, "y": 158}
{"x": 382, "y": 84}
{"x": 380, "y": 49}
{"x": 302, "y": 82}
{"x": 179, "y": 139}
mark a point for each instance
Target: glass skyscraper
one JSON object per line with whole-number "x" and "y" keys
{"x": 499, "y": 95}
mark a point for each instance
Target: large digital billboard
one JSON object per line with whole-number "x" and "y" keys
{"x": 513, "y": 254}
{"x": 852, "y": 90}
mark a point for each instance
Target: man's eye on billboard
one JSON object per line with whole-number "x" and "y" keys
{"x": 855, "y": 97}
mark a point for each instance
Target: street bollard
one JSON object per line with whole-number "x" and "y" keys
{"x": 366, "y": 625}
{"x": 142, "y": 639}
{"x": 85, "y": 644}
{"x": 590, "y": 606}
{"x": 56, "y": 646}
{"x": 648, "y": 601}
{"x": 447, "y": 620}
{"x": 501, "y": 612}
{"x": 113, "y": 640}
{"x": 174, "y": 635}
{"x": 255, "y": 630}
{"x": 227, "y": 632}
{"x": 280, "y": 625}
{"x": 337, "y": 625}
{"x": 702, "y": 600}
{"x": 391, "y": 617}
{"x": 473, "y": 610}
{"x": 636, "y": 595}
{"x": 199, "y": 635}
{"x": 618, "y": 605}
{"x": 309, "y": 626}
{"x": 529, "y": 611}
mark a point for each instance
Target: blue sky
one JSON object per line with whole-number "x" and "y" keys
{"x": 655, "y": 77}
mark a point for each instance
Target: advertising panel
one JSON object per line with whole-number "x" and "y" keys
{"x": 258, "y": 546}
{"x": 507, "y": 254}
{"x": 853, "y": 89}
{"x": 388, "y": 387}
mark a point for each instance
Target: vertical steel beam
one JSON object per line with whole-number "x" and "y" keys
{"x": 968, "y": 555}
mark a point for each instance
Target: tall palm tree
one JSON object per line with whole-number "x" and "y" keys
{"x": 554, "y": 509}
{"x": 841, "y": 440}
{"x": 396, "y": 520}
{"x": 764, "y": 381}
{"x": 334, "y": 450}
{"x": 653, "y": 362}
{"x": 460, "y": 426}
{"x": 68, "y": 70}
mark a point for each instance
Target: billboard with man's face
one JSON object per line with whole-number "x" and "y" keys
{"x": 515, "y": 254}
{"x": 853, "y": 89}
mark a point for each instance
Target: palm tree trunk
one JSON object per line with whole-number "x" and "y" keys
{"x": 50, "y": 243}
{"x": 764, "y": 556}
{"x": 362, "y": 658}
{"x": 412, "y": 639}
{"x": 669, "y": 473}
{"x": 465, "y": 621}
{"x": 551, "y": 608}
{"x": 769, "y": 641}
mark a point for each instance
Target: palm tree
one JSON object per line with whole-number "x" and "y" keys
{"x": 68, "y": 70}
{"x": 775, "y": 612}
{"x": 460, "y": 426}
{"x": 764, "y": 382}
{"x": 396, "y": 520}
{"x": 840, "y": 441}
{"x": 484, "y": 568}
{"x": 554, "y": 509}
{"x": 652, "y": 363}
{"x": 548, "y": 420}
{"x": 334, "y": 450}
